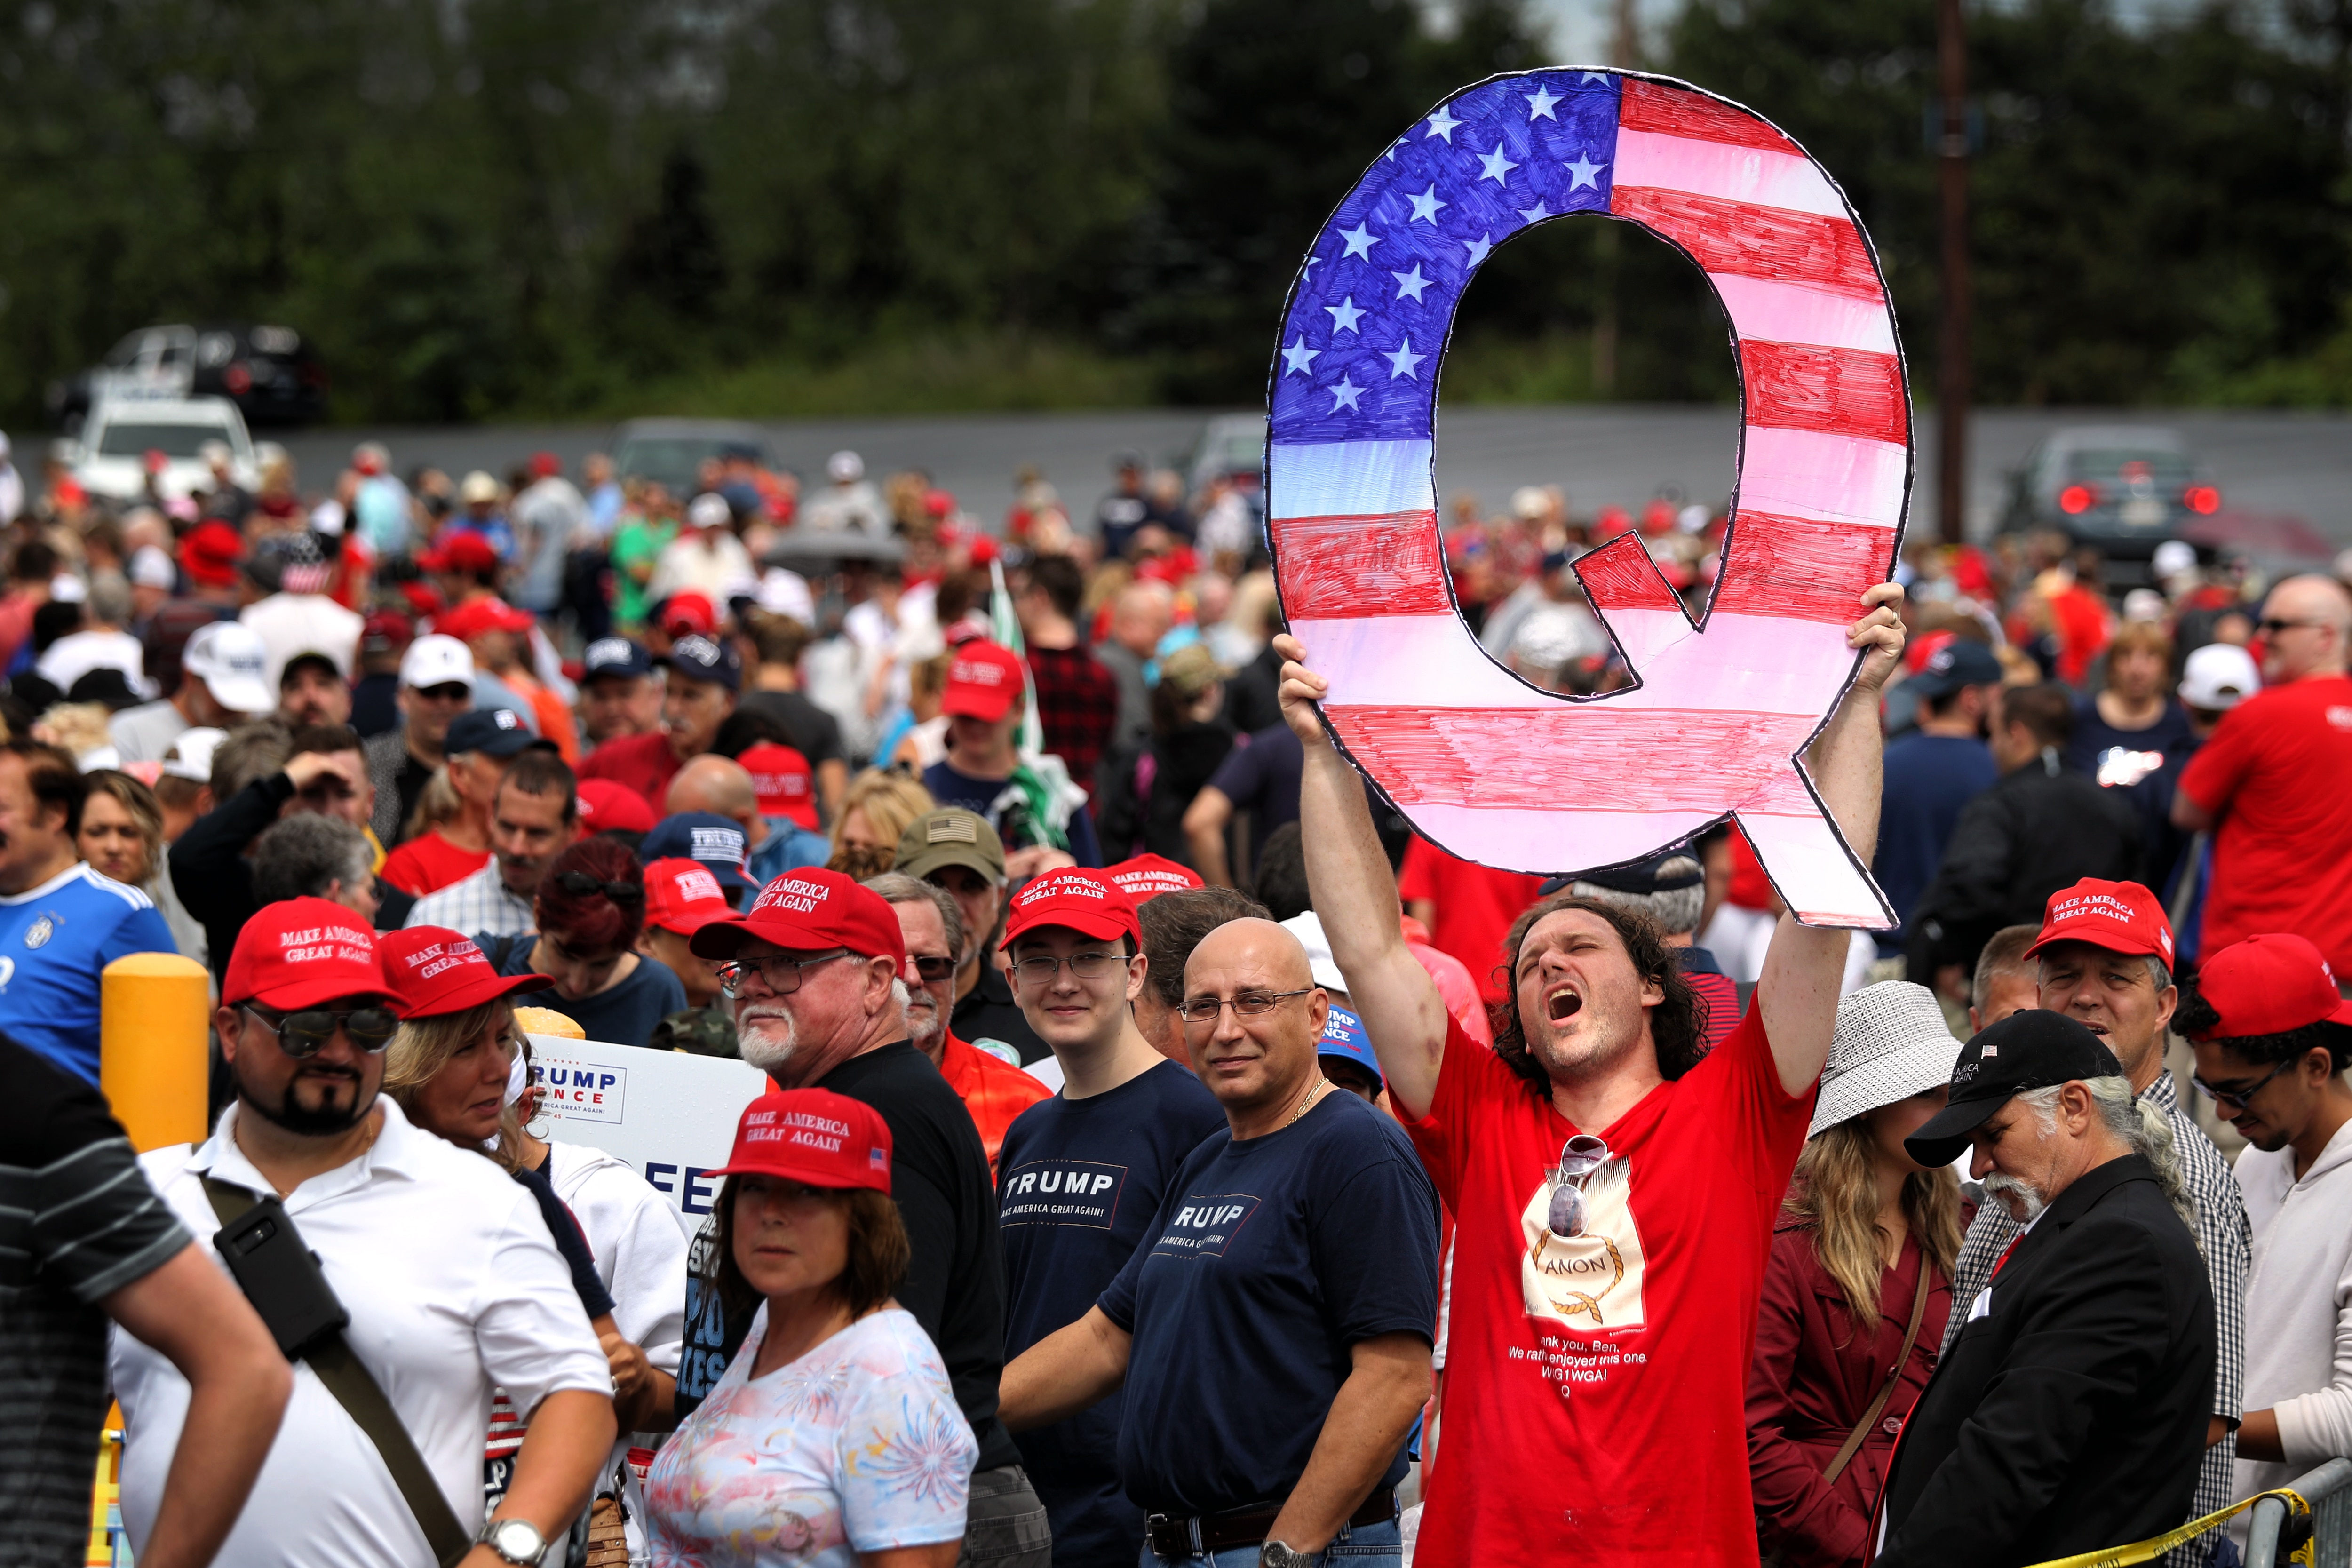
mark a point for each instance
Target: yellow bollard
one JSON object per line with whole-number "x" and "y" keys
{"x": 152, "y": 1054}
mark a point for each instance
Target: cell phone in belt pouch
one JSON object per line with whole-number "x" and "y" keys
{"x": 281, "y": 1276}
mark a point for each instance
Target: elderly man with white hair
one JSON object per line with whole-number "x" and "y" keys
{"x": 2070, "y": 1412}
{"x": 813, "y": 974}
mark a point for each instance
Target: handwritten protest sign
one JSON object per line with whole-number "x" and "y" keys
{"x": 1493, "y": 768}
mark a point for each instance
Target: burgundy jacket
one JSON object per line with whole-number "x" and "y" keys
{"x": 1811, "y": 1383}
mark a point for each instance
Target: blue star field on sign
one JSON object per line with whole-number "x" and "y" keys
{"x": 1390, "y": 267}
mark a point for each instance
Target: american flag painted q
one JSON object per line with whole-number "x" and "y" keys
{"x": 1485, "y": 764}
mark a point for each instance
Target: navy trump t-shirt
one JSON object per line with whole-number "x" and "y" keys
{"x": 1078, "y": 1182}
{"x": 1268, "y": 1261}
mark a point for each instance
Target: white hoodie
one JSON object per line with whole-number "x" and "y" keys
{"x": 2299, "y": 1306}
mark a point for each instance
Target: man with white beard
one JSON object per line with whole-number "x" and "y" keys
{"x": 813, "y": 975}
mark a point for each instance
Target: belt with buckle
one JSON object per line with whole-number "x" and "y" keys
{"x": 1172, "y": 1536}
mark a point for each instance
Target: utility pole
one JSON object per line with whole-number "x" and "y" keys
{"x": 1604, "y": 244}
{"x": 1952, "y": 177}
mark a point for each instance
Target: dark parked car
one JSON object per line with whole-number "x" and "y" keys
{"x": 269, "y": 372}
{"x": 671, "y": 452}
{"x": 2123, "y": 490}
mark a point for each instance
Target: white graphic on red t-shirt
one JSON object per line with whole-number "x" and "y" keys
{"x": 1581, "y": 1256}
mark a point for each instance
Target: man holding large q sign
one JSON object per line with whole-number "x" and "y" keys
{"x": 1613, "y": 1182}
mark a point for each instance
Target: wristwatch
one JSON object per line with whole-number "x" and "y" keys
{"x": 516, "y": 1541}
{"x": 1274, "y": 1554}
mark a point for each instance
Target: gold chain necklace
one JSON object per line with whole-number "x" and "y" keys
{"x": 1308, "y": 1104}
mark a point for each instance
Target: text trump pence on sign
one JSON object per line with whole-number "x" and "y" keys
{"x": 1494, "y": 769}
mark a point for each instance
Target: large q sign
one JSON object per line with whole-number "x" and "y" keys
{"x": 1485, "y": 764}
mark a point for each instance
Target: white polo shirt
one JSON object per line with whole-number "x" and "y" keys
{"x": 452, "y": 1286}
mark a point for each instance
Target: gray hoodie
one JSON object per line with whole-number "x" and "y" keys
{"x": 2299, "y": 1307}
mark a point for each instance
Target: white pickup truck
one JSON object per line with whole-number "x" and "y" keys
{"x": 110, "y": 457}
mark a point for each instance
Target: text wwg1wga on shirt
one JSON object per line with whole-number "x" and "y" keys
{"x": 1594, "y": 1382}
{"x": 856, "y": 1446}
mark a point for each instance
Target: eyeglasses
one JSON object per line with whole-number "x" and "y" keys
{"x": 2236, "y": 1098}
{"x": 780, "y": 974}
{"x": 2270, "y": 626}
{"x": 932, "y": 967}
{"x": 1040, "y": 970}
{"x": 1248, "y": 1005}
{"x": 305, "y": 1033}
{"x": 580, "y": 885}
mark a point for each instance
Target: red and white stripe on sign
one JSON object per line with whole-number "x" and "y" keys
{"x": 1389, "y": 564}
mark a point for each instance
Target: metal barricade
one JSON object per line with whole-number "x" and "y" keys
{"x": 2328, "y": 1490}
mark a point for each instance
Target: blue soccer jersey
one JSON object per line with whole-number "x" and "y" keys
{"x": 54, "y": 941}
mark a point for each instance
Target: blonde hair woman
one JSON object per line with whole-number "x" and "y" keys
{"x": 1859, "y": 1281}
{"x": 877, "y": 807}
{"x": 122, "y": 832}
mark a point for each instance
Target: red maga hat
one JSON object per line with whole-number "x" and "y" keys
{"x": 433, "y": 970}
{"x": 809, "y": 911}
{"x": 1077, "y": 900}
{"x": 812, "y": 1136}
{"x": 2122, "y": 917}
{"x": 299, "y": 953}
{"x": 2268, "y": 984}
{"x": 780, "y": 777}
{"x": 210, "y": 553}
{"x": 1146, "y": 877}
{"x": 686, "y": 614}
{"x": 983, "y": 681}
{"x": 468, "y": 621}
{"x": 460, "y": 550}
{"x": 607, "y": 808}
{"x": 681, "y": 895}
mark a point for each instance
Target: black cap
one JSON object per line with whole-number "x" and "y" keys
{"x": 1957, "y": 663}
{"x": 2028, "y": 1051}
{"x": 1648, "y": 876}
{"x": 614, "y": 656}
{"x": 495, "y": 731}
{"x": 698, "y": 658}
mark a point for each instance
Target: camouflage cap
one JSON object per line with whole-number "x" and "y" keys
{"x": 699, "y": 1031}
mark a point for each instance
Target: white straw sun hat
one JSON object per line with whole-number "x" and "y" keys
{"x": 1891, "y": 1043}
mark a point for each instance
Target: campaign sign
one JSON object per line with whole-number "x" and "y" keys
{"x": 671, "y": 1115}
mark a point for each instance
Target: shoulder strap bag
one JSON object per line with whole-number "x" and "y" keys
{"x": 363, "y": 1399}
{"x": 1870, "y": 1416}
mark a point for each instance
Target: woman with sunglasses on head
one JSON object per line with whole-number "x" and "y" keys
{"x": 456, "y": 1067}
{"x": 1858, "y": 1282}
{"x": 834, "y": 1439}
{"x": 590, "y": 907}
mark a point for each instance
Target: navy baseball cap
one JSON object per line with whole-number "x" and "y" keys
{"x": 1957, "y": 664}
{"x": 1344, "y": 1036}
{"x": 495, "y": 731}
{"x": 2033, "y": 1049}
{"x": 614, "y": 656}
{"x": 714, "y": 840}
{"x": 698, "y": 658}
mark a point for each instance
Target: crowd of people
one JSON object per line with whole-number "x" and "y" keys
{"x": 1168, "y": 1156}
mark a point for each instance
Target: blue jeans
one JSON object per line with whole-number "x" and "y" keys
{"x": 1378, "y": 1545}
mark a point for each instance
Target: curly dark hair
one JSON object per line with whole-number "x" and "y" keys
{"x": 1677, "y": 1024}
{"x": 2199, "y": 1020}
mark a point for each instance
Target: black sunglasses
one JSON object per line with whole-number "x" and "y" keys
{"x": 305, "y": 1033}
{"x": 932, "y": 967}
{"x": 580, "y": 884}
{"x": 2236, "y": 1098}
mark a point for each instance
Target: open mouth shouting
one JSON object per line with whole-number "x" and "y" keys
{"x": 1563, "y": 1002}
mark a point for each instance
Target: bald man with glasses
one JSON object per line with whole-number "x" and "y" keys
{"x": 1272, "y": 1333}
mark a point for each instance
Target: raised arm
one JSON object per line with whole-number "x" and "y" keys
{"x": 1356, "y": 898}
{"x": 1797, "y": 992}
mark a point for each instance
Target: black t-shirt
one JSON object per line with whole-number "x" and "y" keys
{"x": 586, "y": 1283}
{"x": 1274, "y": 1256}
{"x": 815, "y": 733}
{"x": 955, "y": 1278}
{"x": 78, "y": 1222}
{"x": 1077, "y": 1184}
{"x": 409, "y": 783}
{"x": 375, "y": 704}
{"x": 989, "y": 1013}
{"x": 1261, "y": 776}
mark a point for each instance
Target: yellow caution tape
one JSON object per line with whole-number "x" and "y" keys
{"x": 2156, "y": 1546}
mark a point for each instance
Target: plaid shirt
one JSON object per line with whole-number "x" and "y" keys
{"x": 2225, "y": 1238}
{"x": 1077, "y": 704}
{"x": 478, "y": 905}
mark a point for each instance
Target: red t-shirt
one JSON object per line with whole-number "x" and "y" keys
{"x": 428, "y": 863}
{"x": 644, "y": 762}
{"x": 1594, "y": 1384}
{"x": 2283, "y": 851}
{"x": 1475, "y": 906}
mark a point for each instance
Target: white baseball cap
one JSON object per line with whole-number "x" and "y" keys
{"x": 1324, "y": 969}
{"x": 2174, "y": 555}
{"x": 845, "y": 468}
{"x": 2217, "y": 677}
{"x": 435, "y": 660}
{"x": 151, "y": 568}
{"x": 709, "y": 510}
{"x": 230, "y": 660}
{"x": 191, "y": 756}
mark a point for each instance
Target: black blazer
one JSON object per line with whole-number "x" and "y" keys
{"x": 2072, "y": 1415}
